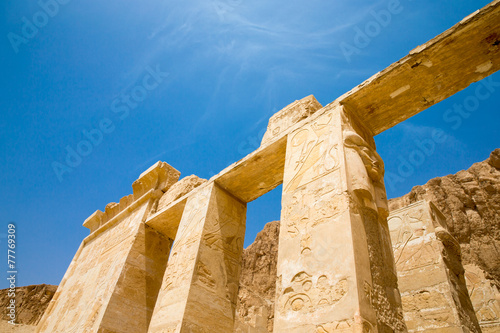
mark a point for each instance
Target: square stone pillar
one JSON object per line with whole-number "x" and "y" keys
{"x": 335, "y": 266}
{"x": 200, "y": 286}
{"x": 430, "y": 271}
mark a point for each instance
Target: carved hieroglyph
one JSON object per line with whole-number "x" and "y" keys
{"x": 332, "y": 191}
{"x": 485, "y": 298}
{"x": 200, "y": 285}
{"x": 431, "y": 276}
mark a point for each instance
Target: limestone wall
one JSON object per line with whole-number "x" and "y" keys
{"x": 90, "y": 280}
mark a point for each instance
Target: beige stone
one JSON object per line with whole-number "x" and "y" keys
{"x": 430, "y": 73}
{"x": 117, "y": 268}
{"x": 290, "y": 115}
{"x": 335, "y": 266}
{"x": 430, "y": 272}
{"x": 179, "y": 189}
{"x": 200, "y": 285}
{"x": 485, "y": 298}
{"x": 257, "y": 286}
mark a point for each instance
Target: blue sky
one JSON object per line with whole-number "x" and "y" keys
{"x": 222, "y": 68}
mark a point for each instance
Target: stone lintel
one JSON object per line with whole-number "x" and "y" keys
{"x": 432, "y": 72}
{"x": 167, "y": 220}
{"x": 257, "y": 173}
{"x": 386, "y": 99}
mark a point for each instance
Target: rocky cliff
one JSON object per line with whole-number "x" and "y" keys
{"x": 255, "y": 308}
{"x": 31, "y": 302}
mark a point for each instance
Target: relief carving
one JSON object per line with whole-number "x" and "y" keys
{"x": 311, "y": 156}
{"x": 182, "y": 255}
{"x": 306, "y": 293}
{"x": 313, "y": 208}
{"x": 224, "y": 233}
{"x": 405, "y": 227}
{"x": 336, "y": 326}
{"x": 484, "y": 295}
{"x": 204, "y": 275}
{"x": 417, "y": 256}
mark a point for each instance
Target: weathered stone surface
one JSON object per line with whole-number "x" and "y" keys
{"x": 246, "y": 180}
{"x": 486, "y": 298}
{"x": 118, "y": 267}
{"x": 470, "y": 201}
{"x": 430, "y": 273}
{"x": 257, "y": 282}
{"x": 160, "y": 177}
{"x": 336, "y": 270}
{"x": 179, "y": 189}
{"x": 334, "y": 238}
{"x": 494, "y": 159}
{"x": 200, "y": 285}
{"x": 290, "y": 115}
{"x": 255, "y": 307}
{"x": 432, "y": 72}
{"x": 90, "y": 281}
{"x": 137, "y": 287}
{"x": 31, "y": 302}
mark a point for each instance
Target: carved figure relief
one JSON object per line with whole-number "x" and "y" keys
{"x": 306, "y": 293}
{"x": 311, "y": 156}
{"x": 411, "y": 249}
{"x": 406, "y": 227}
{"x": 301, "y": 217}
{"x": 484, "y": 295}
{"x": 225, "y": 233}
{"x": 315, "y": 207}
{"x": 417, "y": 256}
{"x": 366, "y": 170}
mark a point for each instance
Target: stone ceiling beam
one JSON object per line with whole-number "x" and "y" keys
{"x": 432, "y": 72}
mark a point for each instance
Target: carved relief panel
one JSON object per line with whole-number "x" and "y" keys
{"x": 316, "y": 266}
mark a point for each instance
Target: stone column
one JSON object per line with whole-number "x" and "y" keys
{"x": 200, "y": 286}
{"x": 430, "y": 271}
{"x": 335, "y": 266}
